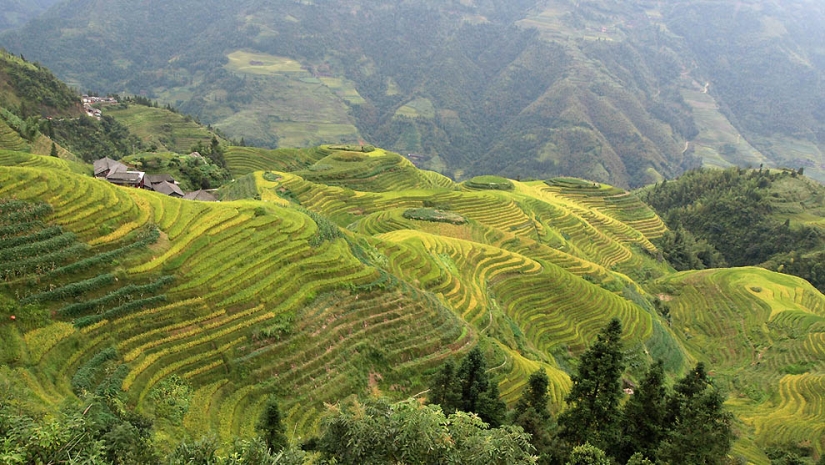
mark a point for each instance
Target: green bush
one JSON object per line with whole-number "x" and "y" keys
{"x": 438, "y": 216}
{"x": 490, "y": 182}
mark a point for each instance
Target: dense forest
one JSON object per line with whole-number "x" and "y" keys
{"x": 16, "y": 13}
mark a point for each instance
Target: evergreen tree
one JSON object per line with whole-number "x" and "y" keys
{"x": 468, "y": 389}
{"x": 53, "y": 151}
{"x": 643, "y": 422}
{"x": 473, "y": 380}
{"x": 700, "y": 427}
{"x": 444, "y": 390}
{"x": 593, "y": 415}
{"x": 532, "y": 414}
{"x": 490, "y": 407}
{"x": 478, "y": 394}
{"x": 271, "y": 425}
{"x": 535, "y": 395}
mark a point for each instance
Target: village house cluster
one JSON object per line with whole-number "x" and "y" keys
{"x": 117, "y": 173}
{"x": 89, "y": 101}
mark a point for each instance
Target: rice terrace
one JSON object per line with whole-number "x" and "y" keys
{"x": 342, "y": 270}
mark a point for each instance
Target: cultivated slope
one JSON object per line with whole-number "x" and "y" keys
{"x": 764, "y": 335}
{"x": 348, "y": 271}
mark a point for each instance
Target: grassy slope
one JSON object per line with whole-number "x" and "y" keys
{"x": 169, "y": 131}
{"x": 533, "y": 275}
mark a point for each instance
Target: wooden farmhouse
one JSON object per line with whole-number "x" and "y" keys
{"x": 117, "y": 173}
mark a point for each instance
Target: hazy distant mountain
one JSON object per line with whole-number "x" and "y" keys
{"x": 620, "y": 92}
{"x": 15, "y": 13}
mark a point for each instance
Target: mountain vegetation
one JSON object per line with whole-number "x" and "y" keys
{"x": 742, "y": 218}
{"x": 322, "y": 289}
{"x": 626, "y": 93}
{"x": 38, "y": 112}
{"x": 16, "y": 13}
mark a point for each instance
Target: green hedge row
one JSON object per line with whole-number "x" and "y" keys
{"x": 123, "y": 293}
{"x": 71, "y": 290}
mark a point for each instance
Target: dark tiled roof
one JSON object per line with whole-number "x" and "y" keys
{"x": 107, "y": 164}
{"x": 125, "y": 177}
{"x": 168, "y": 188}
{"x": 159, "y": 178}
{"x": 201, "y": 195}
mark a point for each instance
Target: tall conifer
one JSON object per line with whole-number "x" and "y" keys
{"x": 593, "y": 415}
{"x": 643, "y": 422}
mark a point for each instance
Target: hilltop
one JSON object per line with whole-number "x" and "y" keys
{"x": 741, "y": 217}
{"x": 343, "y": 270}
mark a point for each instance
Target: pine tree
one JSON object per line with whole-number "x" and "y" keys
{"x": 444, "y": 390}
{"x": 271, "y": 425}
{"x": 643, "y": 422}
{"x": 532, "y": 414}
{"x": 472, "y": 380}
{"x": 53, "y": 151}
{"x": 490, "y": 407}
{"x": 469, "y": 389}
{"x": 593, "y": 415}
{"x": 535, "y": 394}
{"x": 700, "y": 427}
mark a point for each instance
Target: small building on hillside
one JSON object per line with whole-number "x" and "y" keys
{"x": 168, "y": 188}
{"x": 201, "y": 195}
{"x": 152, "y": 179}
{"x": 106, "y": 166}
{"x": 127, "y": 178}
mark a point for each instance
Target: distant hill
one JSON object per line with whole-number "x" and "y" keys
{"x": 160, "y": 129}
{"x": 16, "y": 13}
{"x": 759, "y": 217}
{"x": 623, "y": 93}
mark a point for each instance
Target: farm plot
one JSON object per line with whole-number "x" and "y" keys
{"x": 245, "y": 160}
{"x": 345, "y": 342}
{"x": 764, "y": 332}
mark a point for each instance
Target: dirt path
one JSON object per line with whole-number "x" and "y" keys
{"x": 498, "y": 367}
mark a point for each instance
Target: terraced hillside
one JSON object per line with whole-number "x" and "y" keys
{"x": 764, "y": 333}
{"x": 340, "y": 271}
{"x": 159, "y": 127}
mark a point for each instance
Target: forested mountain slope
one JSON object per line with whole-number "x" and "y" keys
{"x": 16, "y": 13}
{"x": 625, "y": 94}
{"x": 743, "y": 217}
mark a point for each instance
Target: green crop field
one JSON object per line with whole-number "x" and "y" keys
{"x": 763, "y": 332}
{"x": 260, "y": 63}
{"x": 339, "y": 271}
{"x": 168, "y": 131}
